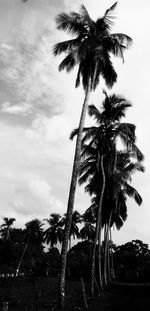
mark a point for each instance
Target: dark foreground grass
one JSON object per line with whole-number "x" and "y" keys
{"x": 40, "y": 294}
{"x": 123, "y": 297}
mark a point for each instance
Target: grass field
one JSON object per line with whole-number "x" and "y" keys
{"x": 40, "y": 294}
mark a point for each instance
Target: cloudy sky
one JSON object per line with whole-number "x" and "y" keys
{"x": 39, "y": 107}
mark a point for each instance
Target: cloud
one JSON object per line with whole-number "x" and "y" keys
{"x": 27, "y": 66}
{"x": 33, "y": 165}
{"x": 34, "y": 197}
{"x": 23, "y": 109}
{"x": 32, "y": 80}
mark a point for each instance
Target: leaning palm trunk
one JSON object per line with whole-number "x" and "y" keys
{"x": 97, "y": 234}
{"x": 71, "y": 198}
{"x": 22, "y": 256}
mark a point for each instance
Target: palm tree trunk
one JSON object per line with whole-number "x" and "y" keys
{"x": 98, "y": 229}
{"x": 112, "y": 259}
{"x": 105, "y": 256}
{"x": 70, "y": 243}
{"x": 109, "y": 248}
{"x": 7, "y": 234}
{"x": 20, "y": 262}
{"x": 99, "y": 257}
{"x": 75, "y": 171}
{"x": 108, "y": 258}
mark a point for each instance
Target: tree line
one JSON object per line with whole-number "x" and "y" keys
{"x": 23, "y": 252}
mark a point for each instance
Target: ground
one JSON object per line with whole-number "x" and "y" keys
{"x": 121, "y": 296}
{"x": 40, "y": 294}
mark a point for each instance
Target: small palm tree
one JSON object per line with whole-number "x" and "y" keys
{"x": 90, "y": 50}
{"x": 54, "y": 233}
{"x": 5, "y": 228}
{"x": 88, "y": 230}
{"x": 74, "y": 231}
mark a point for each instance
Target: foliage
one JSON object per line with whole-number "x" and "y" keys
{"x": 132, "y": 262}
{"x": 52, "y": 258}
{"x": 79, "y": 260}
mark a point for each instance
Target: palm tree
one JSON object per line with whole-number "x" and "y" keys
{"x": 54, "y": 233}
{"x": 74, "y": 231}
{"x": 90, "y": 50}
{"x": 33, "y": 234}
{"x": 101, "y": 150}
{"x": 88, "y": 230}
{"x": 117, "y": 190}
{"x": 5, "y": 228}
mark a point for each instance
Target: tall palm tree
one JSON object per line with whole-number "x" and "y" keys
{"x": 54, "y": 233}
{"x": 101, "y": 150}
{"x": 90, "y": 50}
{"x": 5, "y": 228}
{"x": 33, "y": 234}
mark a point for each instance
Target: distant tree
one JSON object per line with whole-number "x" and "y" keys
{"x": 10, "y": 250}
{"x": 88, "y": 230}
{"x": 54, "y": 233}
{"x": 131, "y": 260}
{"x": 79, "y": 260}
{"x": 74, "y": 231}
{"x": 6, "y": 227}
{"x": 33, "y": 236}
{"x": 52, "y": 262}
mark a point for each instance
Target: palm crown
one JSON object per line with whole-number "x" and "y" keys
{"x": 91, "y": 47}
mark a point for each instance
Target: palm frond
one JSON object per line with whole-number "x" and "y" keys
{"x": 78, "y": 75}
{"x": 134, "y": 167}
{"x": 86, "y": 17}
{"x": 70, "y": 23}
{"x": 88, "y": 151}
{"x": 122, "y": 40}
{"x": 87, "y": 167}
{"x": 65, "y": 46}
{"x": 85, "y": 177}
{"x": 133, "y": 193}
{"x": 136, "y": 151}
{"x": 89, "y": 133}
{"x": 93, "y": 111}
{"x": 73, "y": 133}
{"x": 117, "y": 43}
{"x": 108, "y": 72}
{"x": 109, "y": 15}
{"x": 126, "y": 131}
{"x": 68, "y": 62}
